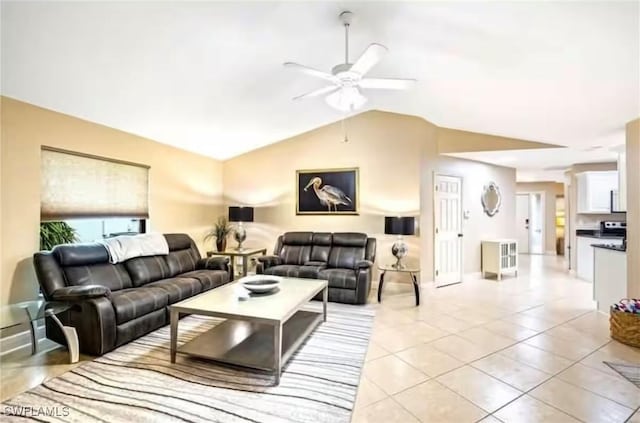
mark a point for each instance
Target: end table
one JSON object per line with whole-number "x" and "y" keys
{"x": 245, "y": 253}
{"x": 413, "y": 271}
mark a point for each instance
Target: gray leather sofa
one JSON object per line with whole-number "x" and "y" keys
{"x": 117, "y": 303}
{"x": 345, "y": 259}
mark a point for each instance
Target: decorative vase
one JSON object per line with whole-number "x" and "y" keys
{"x": 221, "y": 244}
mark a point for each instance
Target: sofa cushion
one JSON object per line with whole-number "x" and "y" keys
{"x": 208, "y": 278}
{"x": 339, "y": 278}
{"x": 283, "y": 270}
{"x": 177, "y": 288}
{"x": 147, "y": 269}
{"x": 310, "y": 271}
{"x": 112, "y": 276}
{"x": 321, "y": 246}
{"x": 80, "y": 254}
{"x": 182, "y": 261}
{"x": 132, "y": 303}
{"x": 297, "y": 238}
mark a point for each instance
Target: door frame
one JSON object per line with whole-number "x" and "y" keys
{"x": 543, "y": 207}
{"x": 528, "y": 223}
{"x": 433, "y": 228}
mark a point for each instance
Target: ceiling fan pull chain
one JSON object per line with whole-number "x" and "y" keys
{"x": 344, "y": 128}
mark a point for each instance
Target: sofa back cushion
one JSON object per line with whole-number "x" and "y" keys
{"x": 347, "y": 250}
{"x": 321, "y": 246}
{"x": 147, "y": 269}
{"x": 296, "y": 247}
{"x": 183, "y": 254}
{"x": 88, "y": 264}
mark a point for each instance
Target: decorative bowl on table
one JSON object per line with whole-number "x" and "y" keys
{"x": 260, "y": 284}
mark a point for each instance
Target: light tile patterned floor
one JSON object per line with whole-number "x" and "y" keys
{"x": 526, "y": 349}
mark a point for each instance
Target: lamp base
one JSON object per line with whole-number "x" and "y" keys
{"x": 240, "y": 234}
{"x": 399, "y": 249}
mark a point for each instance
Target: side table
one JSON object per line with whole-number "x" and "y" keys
{"x": 31, "y": 312}
{"x": 245, "y": 253}
{"x": 413, "y": 271}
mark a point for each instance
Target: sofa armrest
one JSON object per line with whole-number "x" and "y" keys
{"x": 213, "y": 263}
{"x": 80, "y": 293}
{"x": 364, "y": 264}
{"x": 265, "y": 262}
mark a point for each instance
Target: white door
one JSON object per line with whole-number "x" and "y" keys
{"x": 536, "y": 224}
{"x": 522, "y": 219}
{"x": 448, "y": 230}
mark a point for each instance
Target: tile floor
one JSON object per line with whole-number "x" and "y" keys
{"x": 526, "y": 349}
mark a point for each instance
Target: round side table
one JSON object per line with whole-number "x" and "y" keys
{"x": 413, "y": 271}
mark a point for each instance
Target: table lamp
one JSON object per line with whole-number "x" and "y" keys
{"x": 397, "y": 225}
{"x": 240, "y": 215}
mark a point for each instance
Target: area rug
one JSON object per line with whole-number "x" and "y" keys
{"x": 627, "y": 371}
{"x": 137, "y": 382}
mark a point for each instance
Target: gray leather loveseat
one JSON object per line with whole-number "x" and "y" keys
{"x": 345, "y": 259}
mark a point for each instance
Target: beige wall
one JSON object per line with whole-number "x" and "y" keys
{"x": 396, "y": 155}
{"x": 583, "y": 221}
{"x": 551, "y": 190}
{"x": 479, "y": 226}
{"x": 185, "y": 188}
{"x": 386, "y": 148}
{"x": 633, "y": 209}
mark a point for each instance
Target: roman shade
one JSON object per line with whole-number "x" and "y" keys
{"x": 75, "y": 185}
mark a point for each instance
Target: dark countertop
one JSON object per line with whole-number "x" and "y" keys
{"x": 595, "y": 233}
{"x": 618, "y": 248}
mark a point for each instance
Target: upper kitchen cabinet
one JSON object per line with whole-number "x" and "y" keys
{"x": 594, "y": 191}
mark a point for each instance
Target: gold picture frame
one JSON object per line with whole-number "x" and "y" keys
{"x": 328, "y": 191}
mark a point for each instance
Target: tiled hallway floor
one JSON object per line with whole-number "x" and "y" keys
{"x": 526, "y": 349}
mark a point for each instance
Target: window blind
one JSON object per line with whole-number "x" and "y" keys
{"x": 76, "y": 185}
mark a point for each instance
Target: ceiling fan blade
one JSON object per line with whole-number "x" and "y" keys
{"x": 325, "y": 90}
{"x": 311, "y": 71}
{"x": 387, "y": 83}
{"x": 369, "y": 58}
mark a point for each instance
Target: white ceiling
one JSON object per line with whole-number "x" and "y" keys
{"x": 208, "y": 76}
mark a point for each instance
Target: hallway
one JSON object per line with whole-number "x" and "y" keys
{"x": 526, "y": 349}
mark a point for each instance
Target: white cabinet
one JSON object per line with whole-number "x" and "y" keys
{"x": 584, "y": 257}
{"x": 610, "y": 278}
{"x": 499, "y": 256}
{"x": 594, "y": 191}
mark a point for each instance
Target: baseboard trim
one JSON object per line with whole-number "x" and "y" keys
{"x": 20, "y": 341}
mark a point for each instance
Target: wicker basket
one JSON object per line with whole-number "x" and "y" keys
{"x": 625, "y": 327}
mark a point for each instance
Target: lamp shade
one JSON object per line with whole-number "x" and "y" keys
{"x": 397, "y": 225}
{"x": 241, "y": 214}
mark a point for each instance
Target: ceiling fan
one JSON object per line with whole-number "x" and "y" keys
{"x": 347, "y": 79}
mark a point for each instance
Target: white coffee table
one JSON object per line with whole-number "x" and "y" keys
{"x": 261, "y": 332}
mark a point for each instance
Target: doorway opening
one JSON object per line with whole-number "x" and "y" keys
{"x": 530, "y": 218}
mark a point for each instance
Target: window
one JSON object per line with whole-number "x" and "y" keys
{"x": 88, "y": 230}
{"x": 75, "y": 185}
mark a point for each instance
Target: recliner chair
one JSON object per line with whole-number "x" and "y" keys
{"x": 345, "y": 259}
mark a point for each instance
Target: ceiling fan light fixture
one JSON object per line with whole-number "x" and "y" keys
{"x": 346, "y": 99}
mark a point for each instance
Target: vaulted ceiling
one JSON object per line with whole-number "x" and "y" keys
{"x": 208, "y": 76}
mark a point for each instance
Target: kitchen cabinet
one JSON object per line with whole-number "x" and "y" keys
{"x": 499, "y": 256}
{"x": 610, "y": 278}
{"x": 594, "y": 191}
{"x": 584, "y": 257}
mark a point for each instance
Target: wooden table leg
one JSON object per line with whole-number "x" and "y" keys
{"x": 325, "y": 299}
{"x": 245, "y": 264}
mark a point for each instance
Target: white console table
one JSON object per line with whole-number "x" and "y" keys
{"x": 499, "y": 256}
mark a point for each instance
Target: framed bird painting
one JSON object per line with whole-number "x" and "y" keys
{"x": 327, "y": 191}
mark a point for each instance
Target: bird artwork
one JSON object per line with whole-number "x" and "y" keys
{"x": 331, "y": 197}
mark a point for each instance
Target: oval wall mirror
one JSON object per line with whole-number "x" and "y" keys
{"x": 491, "y": 199}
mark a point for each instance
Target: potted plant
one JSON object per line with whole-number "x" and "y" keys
{"x": 221, "y": 229}
{"x": 56, "y": 233}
